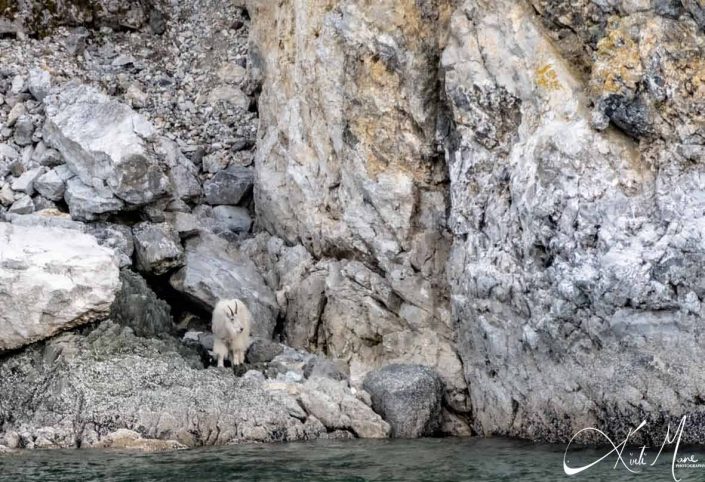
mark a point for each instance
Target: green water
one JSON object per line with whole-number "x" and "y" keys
{"x": 356, "y": 460}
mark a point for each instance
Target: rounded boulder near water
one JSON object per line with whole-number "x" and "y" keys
{"x": 408, "y": 397}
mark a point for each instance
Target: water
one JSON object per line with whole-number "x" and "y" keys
{"x": 434, "y": 460}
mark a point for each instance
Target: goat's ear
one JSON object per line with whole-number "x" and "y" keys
{"x": 236, "y": 307}
{"x": 231, "y": 311}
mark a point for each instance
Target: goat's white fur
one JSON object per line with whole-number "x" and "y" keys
{"x": 231, "y": 331}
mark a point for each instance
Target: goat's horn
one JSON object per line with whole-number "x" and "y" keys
{"x": 236, "y": 307}
{"x": 231, "y": 311}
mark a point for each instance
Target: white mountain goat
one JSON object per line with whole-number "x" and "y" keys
{"x": 231, "y": 331}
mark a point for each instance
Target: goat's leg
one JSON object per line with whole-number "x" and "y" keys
{"x": 221, "y": 351}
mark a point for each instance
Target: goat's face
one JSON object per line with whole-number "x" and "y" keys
{"x": 234, "y": 319}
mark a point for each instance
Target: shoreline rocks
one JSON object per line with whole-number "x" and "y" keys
{"x": 109, "y": 388}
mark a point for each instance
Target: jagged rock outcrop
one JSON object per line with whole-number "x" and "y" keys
{"x": 51, "y": 280}
{"x": 111, "y": 379}
{"x": 111, "y": 388}
{"x": 575, "y": 266}
{"x": 138, "y": 307}
{"x": 357, "y": 178}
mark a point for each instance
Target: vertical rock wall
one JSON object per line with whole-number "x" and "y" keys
{"x": 569, "y": 195}
{"x": 348, "y": 165}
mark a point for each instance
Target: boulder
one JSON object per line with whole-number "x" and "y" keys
{"x": 228, "y": 186}
{"x": 51, "y": 279}
{"x": 214, "y": 270}
{"x": 39, "y": 83}
{"x": 50, "y": 185}
{"x": 158, "y": 247}
{"x": 114, "y": 236}
{"x": 408, "y": 397}
{"x": 263, "y": 351}
{"x": 185, "y": 184}
{"x": 337, "y": 408}
{"x": 24, "y": 129}
{"x": 22, "y": 205}
{"x": 25, "y": 183}
{"x": 7, "y": 196}
{"x": 87, "y": 203}
{"x": 319, "y": 366}
{"x": 103, "y": 140}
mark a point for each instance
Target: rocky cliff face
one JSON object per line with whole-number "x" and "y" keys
{"x": 576, "y": 220}
{"x": 348, "y": 166}
{"x": 508, "y": 192}
{"x": 569, "y": 185}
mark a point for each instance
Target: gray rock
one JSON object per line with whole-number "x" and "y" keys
{"x": 88, "y": 204}
{"x": 24, "y": 129}
{"x": 25, "y": 183}
{"x": 7, "y": 152}
{"x": 52, "y": 279}
{"x": 228, "y": 186}
{"x": 202, "y": 341}
{"x": 7, "y": 196}
{"x": 213, "y": 270}
{"x": 233, "y": 218}
{"x": 215, "y": 162}
{"x": 19, "y": 84}
{"x": 112, "y": 147}
{"x": 332, "y": 403}
{"x": 186, "y": 224}
{"x": 323, "y": 367}
{"x": 185, "y": 184}
{"x": 116, "y": 237}
{"x": 50, "y": 185}
{"x": 46, "y": 156}
{"x": 158, "y": 247}
{"x": 22, "y": 205}
{"x": 263, "y": 351}
{"x": 17, "y": 111}
{"x": 43, "y": 204}
{"x": 39, "y": 83}
{"x": 111, "y": 379}
{"x": 408, "y": 397}
{"x": 138, "y": 307}
{"x": 230, "y": 94}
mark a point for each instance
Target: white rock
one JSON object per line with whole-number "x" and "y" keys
{"x": 50, "y": 185}
{"x": 15, "y": 113}
{"x": 52, "y": 279}
{"x": 25, "y": 183}
{"x": 7, "y": 196}
{"x": 233, "y": 218}
{"x": 112, "y": 146}
{"x": 39, "y": 83}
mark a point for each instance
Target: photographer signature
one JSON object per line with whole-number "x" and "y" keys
{"x": 632, "y": 464}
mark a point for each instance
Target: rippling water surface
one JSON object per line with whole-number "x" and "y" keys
{"x": 357, "y": 460}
